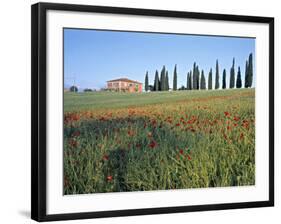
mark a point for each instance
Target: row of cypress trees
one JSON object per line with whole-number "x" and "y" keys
{"x": 195, "y": 79}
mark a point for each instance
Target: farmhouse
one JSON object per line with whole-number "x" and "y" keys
{"x": 124, "y": 85}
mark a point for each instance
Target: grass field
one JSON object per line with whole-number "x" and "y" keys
{"x": 116, "y": 142}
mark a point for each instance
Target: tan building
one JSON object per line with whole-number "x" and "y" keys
{"x": 124, "y": 85}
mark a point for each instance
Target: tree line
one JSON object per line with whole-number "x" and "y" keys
{"x": 195, "y": 79}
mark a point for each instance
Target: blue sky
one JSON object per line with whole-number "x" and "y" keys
{"x": 91, "y": 57}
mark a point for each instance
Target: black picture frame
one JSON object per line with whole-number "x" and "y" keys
{"x": 38, "y": 108}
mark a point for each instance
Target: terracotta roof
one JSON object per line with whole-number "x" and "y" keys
{"x": 124, "y": 80}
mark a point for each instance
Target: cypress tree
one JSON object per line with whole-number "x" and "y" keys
{"x": 146, "y": 82}
{"x": 238, "y": 81}
{"x": 190, "y": 80}
{"x": 250, "y": 70}
{"x": 156, "y": 81}
{"x": 197, "y": 76}
{"x": 167, "y": 81}
{"x": 162, "y": 79}
{"x": 175, "y": 78}
{"x": 187, "y": 81}
{"x": 232, "y": 75}
{"x": 202, "y": 81}
{"x": 246, "y": 84}
{"x": 224, "y": 79}
{"x": 217, "y": 84}
{"x": 210, "y": 80}
{"x": 194, "y": 79}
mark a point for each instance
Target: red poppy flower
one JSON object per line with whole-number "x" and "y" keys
{"x": 241, "y": 136}
{"x": 152, "y": 144}
{"x": 72, "y": 143}
{"x": 181, "y": 152}
{"x": 189, "y": 157}
{"x": 105, "y": 157}
{"x": 245, "y": 124}
{"x": 227, "y": 114}
{"x": 102, "y": 119}
{"x": 131, "y": 133}
{"x": 236, "y": 118}
{"x": 109, "y": 178}
{"x": 153, "y": 122}
{"x": 178, "y": 124}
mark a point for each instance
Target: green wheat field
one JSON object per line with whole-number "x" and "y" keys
{"x": 118, "y": 142}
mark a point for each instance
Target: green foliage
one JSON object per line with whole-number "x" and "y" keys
{"x": 88, "y": 90}
{"x": 194, "y": 77}
{"x": 163, "y": 79}
{"x": 151, "y": 88}
{"x": 156, "y": 81}
{"x": 73, "y": 89}
{"x": 187, "y": 81}
{"x": 217, "y": 83}
{"x": 190, "y": 80}
{"x": 210, "y": 80}
{"x": 238, "y": 81}
{"x": 167, "y": 81}
{"x": 197, "y": 76}
{"x": 224, "y": 79}
{"x": 146, "y": 83}
{"x": 246, "y": 84}
{"x": 232, "y": 75}
{"x": 136, "y": 88}
{"x": 250, "y": 70}
{"x": 202, "y": 81}
{"x": 182, "y": 88}
{"x": 175, "y": 79}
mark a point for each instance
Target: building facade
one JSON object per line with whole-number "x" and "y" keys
{"x": 124, "y": 85}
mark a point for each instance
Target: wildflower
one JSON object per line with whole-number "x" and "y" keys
{"x": 241, "y": 136}
{"x": 131, "y": 133}
{"x": 105, "y": 158}
{"x": 73, "y": 143}
{"x": 225, "y": 136}
{"x": 149, "y": 134}
{"x": 181, "y": 151}
{"x": 227, "y": 114}
{"x": 102, "y": 119}
{"x": 245, "y": 124}
{"x": 154, "y": 122}
{"x": 109, "y": 178}
{"x": 152, "y": 144}
{"x": 188, "y": 157}
{"x": 236, "y": 118}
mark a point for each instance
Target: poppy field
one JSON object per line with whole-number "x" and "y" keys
{"x": 119, "y": 142}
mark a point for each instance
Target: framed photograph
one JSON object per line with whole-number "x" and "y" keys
{"x": 140, "y": 111}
